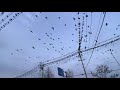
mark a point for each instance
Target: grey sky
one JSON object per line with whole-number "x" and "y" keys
{"x": 34, "y": 37}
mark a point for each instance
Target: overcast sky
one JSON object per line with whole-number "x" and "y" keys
{"x": 33, "y": 37}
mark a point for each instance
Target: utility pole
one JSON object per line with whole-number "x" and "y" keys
{"x": 80, "y": 55}
{"x": 79, "y": 48}
{"x": 42, "y": 69}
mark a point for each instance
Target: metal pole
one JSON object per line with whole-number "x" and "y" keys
{"x": 42, "y": 69}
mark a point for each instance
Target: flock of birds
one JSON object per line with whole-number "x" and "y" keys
{"x": 58, "y": 39}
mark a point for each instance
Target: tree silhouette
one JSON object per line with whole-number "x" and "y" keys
{"x": 103, "y": 71}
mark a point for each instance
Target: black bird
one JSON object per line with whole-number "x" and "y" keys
{"x": 59, "y": 17}
{"x": 72, "y": 34}
{"x": 39, "y": 39}
{"x": 36, "y": 15}
{"x": 53, "y": 28}
{"x": 86, "y": 15}
{"x": 46, "y": 17}
{"x": 31, "y": 31}
{"x": 88, "y": 26}
{"x": 11, "y": 53}
{"x": 85, "y": 35}
{"x": 58, "y": 38}
{"x": 17, "y": 50}
{"x": 65, "y": 24}
{"x": 33, "y": 47}
{"x": 90, "y": 32}
{"x": 106, "y": 24}
{"x": 74, "y": 19}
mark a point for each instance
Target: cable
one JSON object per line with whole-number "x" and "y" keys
{"x": 98, "y": 25}
{"x": 97, "y": 38}
{"x": 114, "y": 57}
{"x": 90, "y": 30}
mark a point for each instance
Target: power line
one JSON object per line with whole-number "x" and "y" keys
{"x": 114, "y": 57}
{"x": 90, "y": 29}
{"x": 97, "y": 38}
{"x": 56, "y": 60}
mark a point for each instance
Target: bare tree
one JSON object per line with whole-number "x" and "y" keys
{"x": 102, "y": 71}
{"x": 69, "y": 73}
{"x": 48, "y": 73}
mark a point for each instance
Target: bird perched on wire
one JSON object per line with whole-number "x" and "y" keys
{"x": 106, "y": 24}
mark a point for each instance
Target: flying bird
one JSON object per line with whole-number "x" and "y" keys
{"x": 39, "y": 39}
{"x": 53, "y": 28}
{"x": 31, "y": 31}
{"x": 33, "y": 47}
{"x": 74, "y": 19}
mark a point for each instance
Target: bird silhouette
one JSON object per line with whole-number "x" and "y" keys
{"x": 106, "y": 24}
{"x": 74, "y": 19}
{"x": 31, "y": 31}
{"x": 33, "y": 47}
{"x": 53, "y": 28}
{"x": 59, "y": 17}
{"x": 36, "y": 15}
{"x": 39, "y": 39}
{"x": 46, "y": 17}
{"x": 11, "y": 53}
{"x": 90, "y": 32}
{"x": 86, "y": 15}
